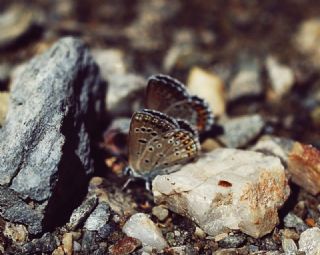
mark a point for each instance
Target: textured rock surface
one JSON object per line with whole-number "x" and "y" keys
{"x": 139, "y": 226}
{"x": 302, "y": 161}
{"x": 46, "y": 143}
{"x": 310, "y": 241}
{"x": 227, "y": 188}
{"x": 98, "y": 218}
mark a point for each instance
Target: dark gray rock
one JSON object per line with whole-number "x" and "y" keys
{"x": 239, "y": 131}
{"x": 293, "y": 221}
{"x": 46, "y": 244}
{"x": 15, "y": 209}
{"x": 89, "y": 243}
{"x": 81, "y": 213}
{"x": 233, "y": 241}
{"x": 46, "y": 143}
{"x": 99, "y": 217}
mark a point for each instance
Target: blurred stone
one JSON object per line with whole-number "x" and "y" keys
{"x": 307, "y": 39}
{"x": 67, "y": 242}
{"x": 293, "y": 221}
{"x": 210, "y": 144}
{"x": 125, "y": 94}
{"x": 81, "y": 213}
{"x": 290, "y": 234}
{"x": 115, "y": 137}
{"x": 98, "y": 218}
{"x": 310, "y": 241}
{"x": 110, "y": 61}
{"x": 50, "y": 131}
{"x": 150, "y": 19}
{"x": 209, "y": 87}
{"x": 240, "y": 131}
{"x": 125, "y": 246}
{"x": 233, "y": 241}
{"x": 281, "y": 76}
{"x": 185, "y": 51}
{"x": 315, "y": 116}
{"x": 4, "y": 103}
{"x": 160, "y": 212}
{"x": 17, "y": 233}
{"x": 247, "y": 81}
{"x": 58, "y": 251}
{"x": 227, "y": 189}
{"x": 16, "y": 22}
{"x": 46, "y": 244}
{"x": 139, "y": 226}
{"x": 289, "y": 247}
{"x": 200, "y": 233}
{"x": 5, "y": 70}
{"x": 232, "y": 251}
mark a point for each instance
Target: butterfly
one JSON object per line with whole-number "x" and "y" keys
{"x": 168, "y": 95}
{"x": 158, "y": 144}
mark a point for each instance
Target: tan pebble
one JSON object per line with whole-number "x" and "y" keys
{"x": 4, "y": 102}
{"x": 17, "y": 233}
{"x": 67, "y": 242}
{"x": 220, "y": 237}
{"x": 199, "y": 233}
{"x": 209, "y": 145}
{"x": 58, "y": 251}
{"x": 209, "y": 87}
{"x": 291, "y": 234}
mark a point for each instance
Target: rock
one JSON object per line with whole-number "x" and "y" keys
{"x": 15, "y": 209}
{"x": 81, "y": 213}
{"x": 247, "y": 81}
{"x": 98, "y": 218}
{"x": 281, "y": 76}
{"x": 304, "y": 165}
{"x": 232, "y": 251}
{"x": 89, "y": 243}
{"x": 5, "y": 70}
{"x": 4, "y": 102}
{"x": 233, "y": 241}
{"x": 139, "y": 226}
{"x": 293, "y": 221}
{"x": 186, "y": 50}
{"x": 67, "y": 242}
{"x": 200, "y": 233}
{"x": 51, "y": 132}
{"x": 289, "y": 247}
{"x": 307, "y": 39}
{"x": 209, "y": 87}
{"x": 227, "y": 189}
{"x": 310, "y": 241}
{"x": 125, "y": 246}
{"x": 17, "y": 233}
{"x": 125, "y": 94}
{"x": 46, "y": 244}
{"x": 302, "y": 161}
{"x": 110, "y": 61}
{"x": 160, "y": 212}
{"x": 150, "y": 19}
{"x": 239, "y": 131}
{"x": 16, "y": 22}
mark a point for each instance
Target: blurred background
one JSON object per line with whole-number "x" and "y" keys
{"x": 262, "y": 56}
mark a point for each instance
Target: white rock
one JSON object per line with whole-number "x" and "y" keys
{"x": 142, "y": 228}
{"x": 289, "y": 246}
{"x": 98, "y": 218}
{"x": 310, "y": 241}
{"x": 209, "y": 87}
{"x": 227, "y": 189}
{"x": 281, "y": 76}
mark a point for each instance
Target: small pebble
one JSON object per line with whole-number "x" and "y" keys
{"x": 200, "y": 233}
{"x": 125, "y": 246}
{"x": 160, "y": 212}
{"x": 233, "y": 241}
{"x": 98, "y": 218}
{"x": 17, "y": 233}
{"x": 293, "y": 221}
{"x": 67, "y": 242}
{"x": 289, "y": 247}
{"x": 139, "y": 226}
{"x": 310, "y": 241}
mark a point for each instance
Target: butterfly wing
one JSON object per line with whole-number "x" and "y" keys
{"x": 146, "y": 125}
{"x": 195, "y": 110}
{"x": 174, "y": 147}
{"x": 163, "y": 91}
{"x": 168, "y": 95}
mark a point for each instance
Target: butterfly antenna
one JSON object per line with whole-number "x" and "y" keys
{"x": 148, "y": 185}
{"x": 130, "y": 179}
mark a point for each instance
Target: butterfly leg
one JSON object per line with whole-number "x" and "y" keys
{"x": 148, "y": 184}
